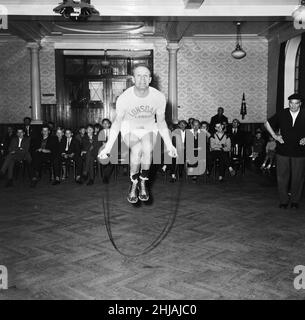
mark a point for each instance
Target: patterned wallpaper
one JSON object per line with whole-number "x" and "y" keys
{"x": 161, "y": 66}
{"x": 15, "y": 79}
{"x": 15, "y": 82}
{"x": 208, "y": 77}
{"x": 47, "y": 74}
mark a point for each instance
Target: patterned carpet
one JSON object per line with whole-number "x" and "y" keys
{"x": 229, "y": 241}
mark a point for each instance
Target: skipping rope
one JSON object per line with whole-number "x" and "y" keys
{"x": 162, "y": 235}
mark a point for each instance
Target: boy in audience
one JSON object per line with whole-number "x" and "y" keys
{"x": 18, "y": 151}
{"x": 42, "y": 153}
{"x": 220, "y": 145}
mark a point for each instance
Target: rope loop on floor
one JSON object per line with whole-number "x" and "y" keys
{"x": 162, "y": 235}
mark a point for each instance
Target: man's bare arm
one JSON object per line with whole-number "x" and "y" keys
{"x": 272, "y": 133}
{"x": 164, "y": 131}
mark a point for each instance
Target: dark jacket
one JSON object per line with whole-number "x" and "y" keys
{"x": 91, "y": 146}
{"x": 6, "y": 143}
{"x": 24, "y": 147}
{"x": 74, "y": 147}
{"x": 236, "y": 138}
{"x": 217, "y": 119}
{"x": 50, "y": 145}
{"x": 59, "y": 146}
{"x": 292, "y": 135}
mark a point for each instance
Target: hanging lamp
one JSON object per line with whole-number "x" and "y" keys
{"x": 238, "y": 53}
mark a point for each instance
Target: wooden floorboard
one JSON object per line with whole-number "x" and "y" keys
{"x": 229, "y": 241}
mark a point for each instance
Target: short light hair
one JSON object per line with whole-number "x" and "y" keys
{"x": 139, "y": 66}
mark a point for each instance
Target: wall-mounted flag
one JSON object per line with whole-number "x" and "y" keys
{"x": 243, "y": 108}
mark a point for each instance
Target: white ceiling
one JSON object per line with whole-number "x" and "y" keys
{"x": 271, "y": 8}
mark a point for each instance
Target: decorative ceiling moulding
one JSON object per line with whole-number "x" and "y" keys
{"x": 226, "y": 37}
{"x": 160, "y": 8}
{"x": 144, "y": 28}
{"x": 123, "y": 53}
{"x": 83, "y": 42}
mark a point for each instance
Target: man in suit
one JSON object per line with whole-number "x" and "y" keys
{"x": 6, "y": 141}
{"x": 59, "y": 146}
{"x": 18, "y": 151}
{"x": 236, "y": 134}
{"x": 72, "y": 152}
{"x": 195, "y": 168}
{"x": 237, "y": 137}
{"x": 290, "y": 151}
{"x": 89, "y": 150}
{"x": 27, "y": 127}
{"x": 42, "y": 149}
{"x": 32, "y": 132}
{"x": 178, "y": 138}
{"x": 218, "y": 118}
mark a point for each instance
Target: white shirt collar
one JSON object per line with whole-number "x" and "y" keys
{"x": 294, "y": 116}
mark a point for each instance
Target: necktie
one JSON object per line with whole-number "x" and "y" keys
{"x": 19, "y": 144}
{"x": 68, "y": 144}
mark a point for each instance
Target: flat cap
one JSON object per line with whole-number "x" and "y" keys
{"x": 295, "y": 96}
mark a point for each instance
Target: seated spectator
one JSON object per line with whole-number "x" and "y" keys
{"x": 59, "y": 145}
{"x": 18, "y": 151}
{"x": 42, "y": 153}
{"x": 106, "y": 125}
{"x": 270, "y": 154}
{"x": 193, "y": 168}
{"x": 179, "y": 142}
{"x": 190, "y": 123}
{"x": 205, "y": 129}
{"x": 89, "y": 149}
{"x": 72, "y": 152}
{"x": 10, "y": 134}
{"x": 81, "y": 133}
{"x": 220, "y": 146}
{"x": 258, "y": 148}
{"x": 97, "y": 128}
{"x": 68, "y": 150}
{"x": 102, "y": 139}
{"x": 236, "y": 135}
{"x": 218, "y": 118}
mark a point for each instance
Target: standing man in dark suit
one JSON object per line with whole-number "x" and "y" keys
{"x": 18, "y": 151}
{"x": 218, "y": 118}
{"x": 28, "y": 130}
{"x": 290, "y": 151}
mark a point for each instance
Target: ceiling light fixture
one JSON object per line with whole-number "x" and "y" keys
{"x": 105, "y": 62}
{"x": 76, "y": 10}
{"x": 298, "y": 14}
{"x": 238, "y": 53}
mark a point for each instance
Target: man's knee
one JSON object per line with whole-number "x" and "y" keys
{"x": 135, "y": 152}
